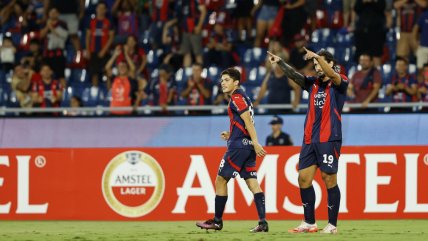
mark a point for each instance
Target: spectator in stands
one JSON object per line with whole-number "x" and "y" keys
{"x": 7, "y": 54}
{"x": 279, "y": 89}
{"x": 422, "y": 52}
{"x": 403, "y": 86}
{"x": 348, "y": 14}
{"x": 56, "y": 34}
{"x": 408, "y": 12}
{"x": 370, "y": 29}
{"x": 137, "y": 55}
{"x": 171, "y": 42}
{"x": 127, "y": 20}
{"x": 47, "y": 92}
{"x": 293, "y": 21}
{"x": 124, "y": 87}
{"x": 163, "y": 88}
{"x": 219, "y": 48}
{"x": 35, "y": 15}
{"x": 365, "y": 83}
{"x": 265, "y": 18}
{"x": 422, "y": 92}
{"x": 198, "y": 90}
{"x": 71, "y": 12}
{"x": 75, "y": 105}
{"x": 242, "y": 14}
{"x": 160, "y": 14}
{"x": 10, "y": 12}
{"x": 311, "y": 7}
{"x": 297, "y": 55}
{"x": 95, "y": 95}
{"x": 21, "y": 85}
{"x": 99, "y": 37}
{"x": 190, "y": 15}
{"x": 221, "y": 98}
{"x": 276, "y": 48}
{"x": 278, "y": 137}
{"x": 34, "y": 57}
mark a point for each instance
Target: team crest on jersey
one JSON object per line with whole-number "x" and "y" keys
{"x": 133, "y": 184}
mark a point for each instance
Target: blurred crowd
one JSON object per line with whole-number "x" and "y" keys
{"x": 131, "y": 53}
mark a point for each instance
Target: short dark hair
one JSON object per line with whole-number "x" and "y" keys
{"x": 327, "y": 56}
{"x": 198, "y": 64}
{"x": 400, "y": 58}
{"x": 35, "y": 41}
{"x": 425, "y": 65}
{"x": 103, "y": 3}
{"x": 367, "y": 54}
{"x": 233, "y": 73}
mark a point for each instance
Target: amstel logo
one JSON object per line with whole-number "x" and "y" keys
{"x": 133, "y": 184}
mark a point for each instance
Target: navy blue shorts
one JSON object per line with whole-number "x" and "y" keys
{"x": 238, "y": 161}
{"x": 325, "y": 155}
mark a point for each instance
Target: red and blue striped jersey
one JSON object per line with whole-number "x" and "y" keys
{"x": 409, "y": 14}
{"x": 187, "y": 11}
{"x": 99, "y": 32}
{"x": 239, "y": 137}
{"x": 323, "y": 118}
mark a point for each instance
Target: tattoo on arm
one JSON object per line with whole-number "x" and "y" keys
{"x": 291, "y": 73}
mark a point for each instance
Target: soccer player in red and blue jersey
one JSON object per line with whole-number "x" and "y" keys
{"x": 322, "y": 134}
{"x": 240, "y": 157}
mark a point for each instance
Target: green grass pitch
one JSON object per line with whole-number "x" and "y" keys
{"x": 379, "y": 230}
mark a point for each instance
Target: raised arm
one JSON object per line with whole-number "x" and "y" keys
{"x": 263, "y": 89}
{"x": 326, "y": 68}
{"x": 289, "y": 71}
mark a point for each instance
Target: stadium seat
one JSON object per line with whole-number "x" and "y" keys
{"x": 213, "y": 74}
{"x": 386, "y": 71}
{"x": 344, "y": 39}
{"x": 252, "y": 92}
{"x": 4, "y": 96}
{"x": 322, "y": 37}
{"x": 255, "y": 76}
{"x": 254, "y": 57}
{"x": 153, "y": 58}
{"x": 66, "y": 96}
{"x": 92, "y": 96}
{"x": 181, "y": 77}
{"x": 78, "y": 78}
{"x": 351, "y": 70}
{"x": 412, "y": 69}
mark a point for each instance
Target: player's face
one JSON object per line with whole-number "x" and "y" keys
{"x": 228, "y": 85}
{"x": 318, "y": 69}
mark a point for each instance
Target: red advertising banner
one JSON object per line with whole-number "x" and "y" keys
{"x": 178, "y": 184}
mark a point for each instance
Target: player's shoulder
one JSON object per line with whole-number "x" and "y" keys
{"x": 344, "y": 77}
{"x": 238, "y": 95}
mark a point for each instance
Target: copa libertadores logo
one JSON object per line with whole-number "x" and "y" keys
{"x": 133, "y": 184}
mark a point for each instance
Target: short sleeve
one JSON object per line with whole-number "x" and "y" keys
{"x": 239, "y": 103}
{"x": 309, "y": 81}
{"x": 343, "y": 86}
